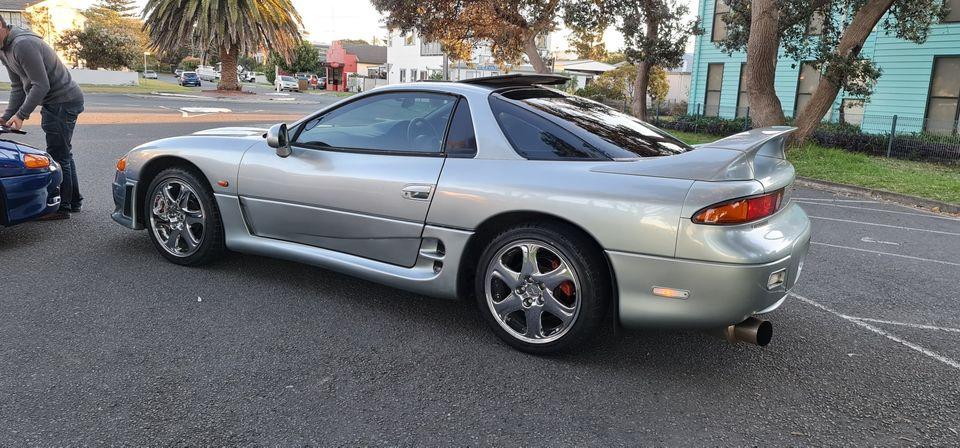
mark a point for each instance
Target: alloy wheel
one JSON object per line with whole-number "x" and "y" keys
{"x": 177, "y": 217}
{"x": 532, "y": 291}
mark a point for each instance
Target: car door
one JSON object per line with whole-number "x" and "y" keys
{"x": 360, "y": 178}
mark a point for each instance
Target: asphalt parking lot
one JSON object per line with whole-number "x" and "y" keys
{"x": 102, "y": 342}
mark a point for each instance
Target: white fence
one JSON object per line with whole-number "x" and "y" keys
{"x": 94, "y": 77}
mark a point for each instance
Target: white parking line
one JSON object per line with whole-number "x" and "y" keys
{"x": 925, "y": 215}
{"x": 860, "y": 323}
{"x": 942, "y": 232}
{"x": 910, "y": 325}
{"x": 835, "y": 200}
{"x": 948, "y": 263}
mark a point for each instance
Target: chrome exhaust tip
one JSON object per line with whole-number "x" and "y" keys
{"x": 754, "y": 331}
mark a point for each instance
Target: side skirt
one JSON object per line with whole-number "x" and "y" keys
{"x": 434, "y": 274}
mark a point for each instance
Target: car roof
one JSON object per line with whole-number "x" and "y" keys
{"x": 517, "y": 80}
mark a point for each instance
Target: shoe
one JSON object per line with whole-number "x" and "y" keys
{"x": 55, "y": 216}
{"x": 74, "y": 209}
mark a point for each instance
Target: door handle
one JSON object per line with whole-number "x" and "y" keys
{"x": 417, "y": 192}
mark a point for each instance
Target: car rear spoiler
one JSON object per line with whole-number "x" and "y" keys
{"x": 763, "y": 156}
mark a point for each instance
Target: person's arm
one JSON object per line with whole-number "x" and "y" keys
{"x": 30, "y": 55}
{"x": 17, "y": 95}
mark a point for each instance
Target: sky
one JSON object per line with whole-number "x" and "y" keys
{"x": 329, "y": 20}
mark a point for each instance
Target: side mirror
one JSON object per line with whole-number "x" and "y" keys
{"x": 278, "y": 137}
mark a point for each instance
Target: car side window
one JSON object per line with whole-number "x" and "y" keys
{"x": 402, "y": 122}
{"x": 536, "y": 138}
{"x": 461, "y": 138}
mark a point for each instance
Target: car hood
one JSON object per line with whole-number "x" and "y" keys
{"x": 233, "y": 132}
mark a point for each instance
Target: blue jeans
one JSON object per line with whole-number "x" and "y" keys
{"x": 58, "y": 122}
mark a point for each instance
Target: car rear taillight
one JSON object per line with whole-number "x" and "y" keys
{"x": 739, "y": 211}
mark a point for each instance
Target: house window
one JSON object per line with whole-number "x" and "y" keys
{"x": 954, "y": 14}
{"x": 720, "y": 10}
{"x": 711, "y": 105}
{"x": 809, "y": 78}
{"x": 403, "y": 75}
{"x": 13, "y": 18}
{"x": 743, "y": 98}
{"x": 815, "y": 24}
{"x": 851, "y": 111}
{"x": 413, "y": 75}
{"x": 944, "y": 96}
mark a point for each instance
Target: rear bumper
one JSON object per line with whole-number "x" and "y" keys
{"x": 720, "y": 293}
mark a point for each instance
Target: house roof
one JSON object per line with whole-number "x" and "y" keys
{"x": 368, "y": 54}
{"x": 589, "y": 67}
{"x": 13, "y": 5}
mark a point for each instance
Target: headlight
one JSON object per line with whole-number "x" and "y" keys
{"x": 36, "y": 162}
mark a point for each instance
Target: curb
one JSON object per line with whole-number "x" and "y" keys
{"x": 904, "y": 199}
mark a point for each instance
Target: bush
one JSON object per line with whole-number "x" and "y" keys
{"x": 918, "y": 146}
{"x": 707, "y": 125}
{"x": 190, "y": 63}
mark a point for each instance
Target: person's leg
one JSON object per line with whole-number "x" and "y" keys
{"x": 59, "y": 150}
{"x": 71, "y": 112}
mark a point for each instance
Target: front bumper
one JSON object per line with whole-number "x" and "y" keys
{"x": 31, "y": 196}
{"x": 720, "y": 293}
{"x": 125, "y": 209}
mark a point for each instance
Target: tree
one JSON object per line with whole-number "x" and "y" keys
{"x": 512, "y": 29}
{"x": 40, "y": 21}
{"x": 190, "y": 63}
{"x": 588, "y": 43}
{"x": 306, "y": 59}
{"x": 762, "y": 26}
{"x": 659, "y": 86}
{"x": 121, "y": 8}
{"x": 655, "y": 33}
{"x": 231, "y": 27}
{"x": 100, "y": 47}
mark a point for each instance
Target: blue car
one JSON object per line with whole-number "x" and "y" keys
{"x": 29, "y": 182}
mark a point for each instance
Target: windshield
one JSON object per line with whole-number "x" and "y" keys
{"x": 286, "y": 78}
{"x": 616, "y": 134}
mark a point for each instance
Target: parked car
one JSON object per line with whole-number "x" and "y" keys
{"x": 149, "y": 74}
{"x": 248, "y": 77}
{"x": 177, "y": 73}
{"x": 322, "y": 83}
{"x": 314, "y": 82}
{"x": 550, "y": 210}
{"x": 208, "y": 73}
{"x": 29, "y": 182}
{"x": 190, "y": 79}
{"x": 287, "y": 83}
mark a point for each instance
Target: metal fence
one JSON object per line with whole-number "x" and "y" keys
{"x": 899, "y": 136}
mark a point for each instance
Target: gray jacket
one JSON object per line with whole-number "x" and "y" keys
{"x": 36, "y": 74}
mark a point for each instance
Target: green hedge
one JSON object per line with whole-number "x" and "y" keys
{"x": 912, "y": 146}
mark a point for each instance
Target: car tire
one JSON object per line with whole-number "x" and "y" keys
{"x": 571, "y": 307}
{"x": 184, "y": 224}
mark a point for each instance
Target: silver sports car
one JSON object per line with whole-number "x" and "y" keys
{"x": 552, "y": 211}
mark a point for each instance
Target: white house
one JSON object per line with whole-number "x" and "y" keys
{"x": 410, "y": 59}
{"x": 54, "y": 18}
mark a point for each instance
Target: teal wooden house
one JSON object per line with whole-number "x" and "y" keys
{"x": 920, "y": 83}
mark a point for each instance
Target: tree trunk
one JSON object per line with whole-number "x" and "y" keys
{"x": 762, "y": 47}
{"x": 639, "y": 106}
{"x": 533, "y": 54}
{"x": 228, "y": 69}
{"x": 850, "y": 45}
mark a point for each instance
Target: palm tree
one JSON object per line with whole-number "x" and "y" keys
{"x": 232, "y": 27}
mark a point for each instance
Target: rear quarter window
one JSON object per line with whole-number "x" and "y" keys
{"x": 610, "y": 132}
{"x": 537, "y": 138}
